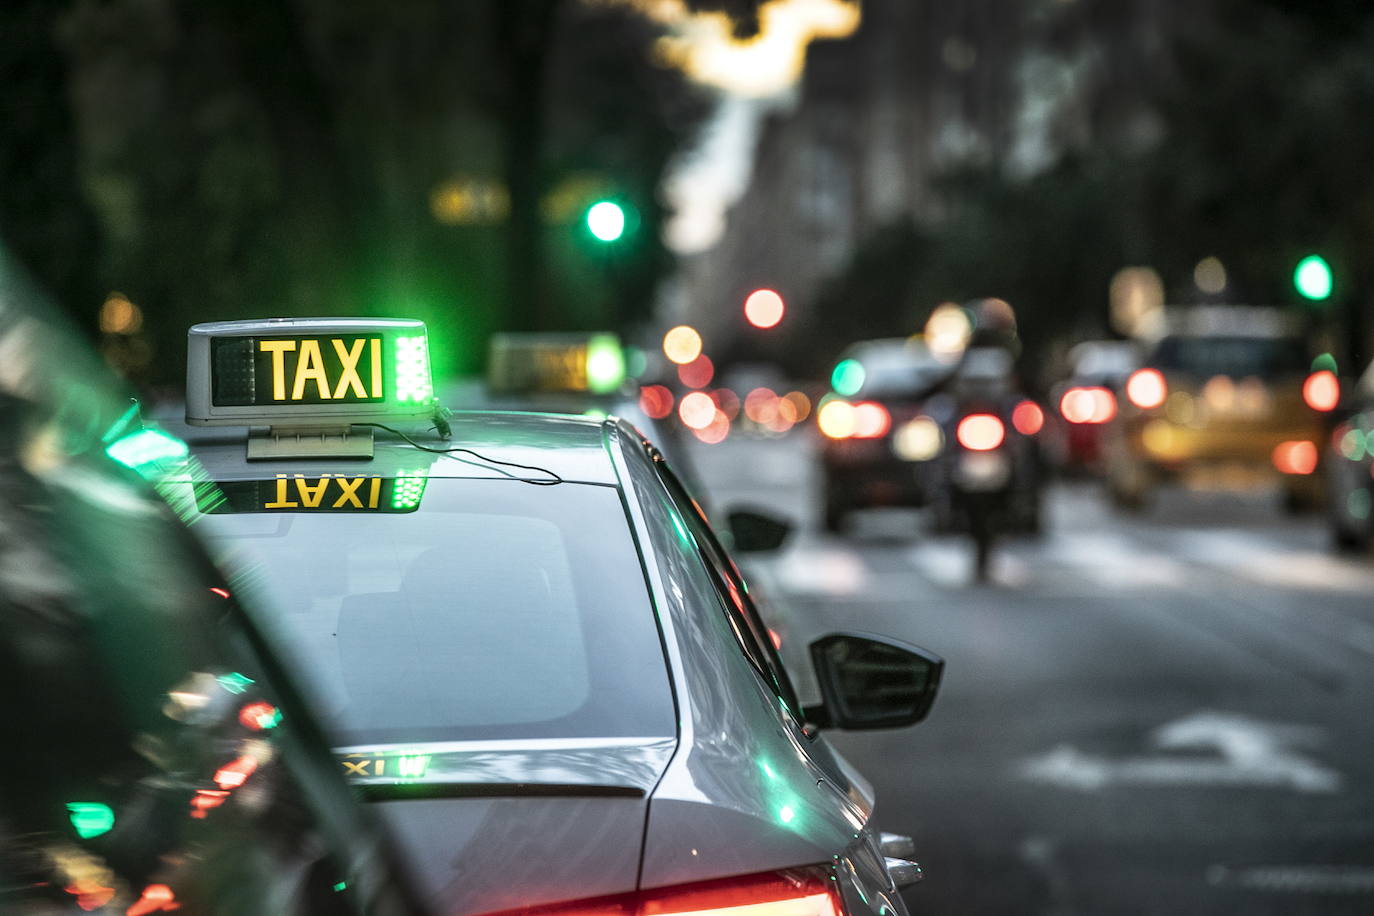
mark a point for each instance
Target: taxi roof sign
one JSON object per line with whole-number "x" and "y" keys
{"x": 555, "y": 363}
{"x": 316, "y": 373}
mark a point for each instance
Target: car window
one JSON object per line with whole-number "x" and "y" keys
{"x": 494, "y": 610}
{"x": 755, "y": 639}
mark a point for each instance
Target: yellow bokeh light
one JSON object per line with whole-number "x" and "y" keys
{"x": 120, "y": 316}
{"x": 682, "y": 344}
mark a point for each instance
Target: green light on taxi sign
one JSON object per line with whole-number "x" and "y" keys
{"x": 413, "y": 382}
{"x": 412, "y": 766}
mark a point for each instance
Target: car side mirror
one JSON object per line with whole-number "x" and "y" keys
{"x": 870, "y": 682}
{"x": 756, "y": 532}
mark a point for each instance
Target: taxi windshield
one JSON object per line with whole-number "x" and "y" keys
{"x": 495, "y": 610}
{"x": 1237, "y": 357}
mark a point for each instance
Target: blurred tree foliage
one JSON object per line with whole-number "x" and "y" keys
{"x": 289, "y": 158}
{"x": 1245, "y": 130}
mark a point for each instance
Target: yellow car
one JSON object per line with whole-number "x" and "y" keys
{"x": 1235, "y": 406}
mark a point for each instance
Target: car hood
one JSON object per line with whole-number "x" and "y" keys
{"x": 496, "y": 825}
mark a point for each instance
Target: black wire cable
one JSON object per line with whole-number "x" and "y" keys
{"x": 553, "y": 480}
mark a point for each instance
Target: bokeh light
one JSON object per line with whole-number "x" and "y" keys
{"x": 920, "y": 439}
{"x": 682, "y": 344}
{"x": 696, "y": 410}
{"x": 947, "y": 332}
{"x": 980, "y": 432}
{"x": 847, "y": 377}
{"x": 656, "y": 401}
{"x": 698, "y": 373}
{"x": 1028, "y": 418}
{"x": 1146, "y": 388}
{"x": 1322, "y": 391}
{"x": 764, "y": 308}
{"x": 1298, "y": 457}
{"x": 120, "y": 316}
{"x": 836, "y": 419}
{"x": 1210, "y": 275}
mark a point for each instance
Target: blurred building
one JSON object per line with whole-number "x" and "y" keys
{"x": 922, "y": 90}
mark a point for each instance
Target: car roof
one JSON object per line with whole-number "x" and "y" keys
{"x": 575, "y": 448}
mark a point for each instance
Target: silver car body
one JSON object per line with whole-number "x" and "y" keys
{"x": 741, "y": 788}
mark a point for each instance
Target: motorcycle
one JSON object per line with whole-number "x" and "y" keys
{"x": 981, "y": 482}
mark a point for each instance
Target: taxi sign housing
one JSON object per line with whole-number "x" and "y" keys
{"x": 307, "y": 373}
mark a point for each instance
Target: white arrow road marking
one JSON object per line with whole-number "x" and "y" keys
{"x": 1251, "y": 753}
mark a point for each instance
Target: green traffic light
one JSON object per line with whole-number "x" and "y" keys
{"x": 1312, "y": 277}
{"x": 606, "y": 221}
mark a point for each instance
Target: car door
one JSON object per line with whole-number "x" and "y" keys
{"x": 866, "y": 872}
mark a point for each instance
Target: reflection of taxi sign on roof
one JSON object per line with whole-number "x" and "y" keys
{"x": 555, "y": 363}
{"x": 322, "y": 374}
{"x": 323, "y": 493}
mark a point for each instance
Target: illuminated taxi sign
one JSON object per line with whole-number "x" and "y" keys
{"x": 316, "y": 372}
{"x": 323, "y": 493}
{"x": 520, "y": 363}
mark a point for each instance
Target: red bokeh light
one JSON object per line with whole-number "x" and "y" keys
{"x": 656, "y": 401}
{"x": 1028, "y": 418}
{"x": 1297, "y": 457}
{"x": 698, "y": 373}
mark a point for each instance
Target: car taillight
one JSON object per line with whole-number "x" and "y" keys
{"x": 795, "y": 892}
{"x": 1322, "y": 390}
{"x": 1146, "y": 388}
{"x": 871, "y": 420}
{"x": 1028, "y": 418}
{"x": 836, "y": 419}
{"x": 1298, "y": 457}
{"x": 980, "y": 432}
{"x": 1088, "y": 405}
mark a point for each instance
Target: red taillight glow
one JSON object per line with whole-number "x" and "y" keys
{"x": 1028, "y": 418}
{"x": 980, "y": 432}
{"x": 1322, "y": 390}
{"x": 871, "y": 421}
{"x": 796, "y": 892}
{"x": 1146, "y": 388}
{"x": 1088, "y": 405}
{"x": 1298, "y": 457}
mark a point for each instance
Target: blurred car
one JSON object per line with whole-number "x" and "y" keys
{"x": 878, "y": 442}
{"x": 1222, "y": 398}
{"x": 159, "y": 759}
{"x": 1086, "y": 401}
{"x": 1349, "y": 468}
{"x": 538, "y": 661}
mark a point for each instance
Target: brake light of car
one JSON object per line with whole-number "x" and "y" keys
{"x": 871, "y": 420}
{"x": 795, "y": 892}
{"x": 1088, "y": 405}
{"x": 1028, "y": 418}
{"x": 1322, "y": 390}
{"x": 1297, "y": 457}
{"x": 980, "y": 432}
{"x": 836, "y": 419}
{"x": 1146, "y": 388}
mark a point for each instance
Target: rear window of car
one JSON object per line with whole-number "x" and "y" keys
{"x": 496, "y": 609}
{"x": 1237, "y": 357}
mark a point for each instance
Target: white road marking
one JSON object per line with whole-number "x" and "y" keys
{"x": 1250, "y": 753}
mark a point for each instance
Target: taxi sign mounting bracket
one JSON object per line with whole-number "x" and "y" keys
{"x": 322, "y": 442}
